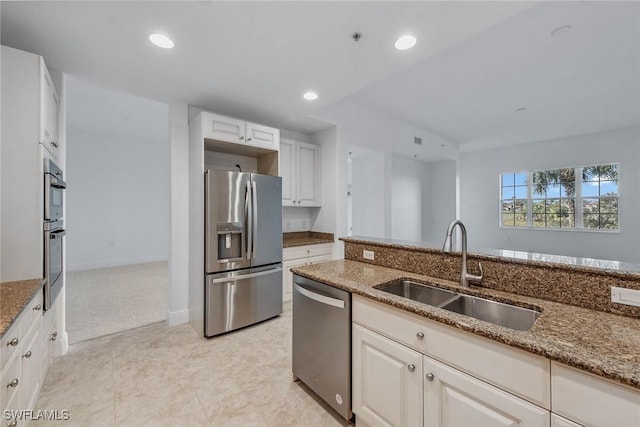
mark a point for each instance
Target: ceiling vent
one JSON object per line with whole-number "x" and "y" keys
{"x": 417, "y": 140}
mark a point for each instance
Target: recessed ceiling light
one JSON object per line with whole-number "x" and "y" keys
{"x": 310, "y": 96}
{"x": 561, "y": 30}
{"x": 520, "y": 110}
{"x": 405, "y": 42}
{"x": 161, "y": 40}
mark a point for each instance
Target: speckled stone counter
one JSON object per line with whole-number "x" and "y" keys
{"x": 602, "y": 343}
{"x": 302, "y": 238}
{"x": 14, "y": 297}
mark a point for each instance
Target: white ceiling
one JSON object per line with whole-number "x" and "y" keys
{"x": 246, "y": 59}
{"x": 584, "y": 81}
{"x": 475, "y": 62}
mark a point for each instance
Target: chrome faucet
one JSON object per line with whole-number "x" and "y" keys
{"x": 465, "y": 277}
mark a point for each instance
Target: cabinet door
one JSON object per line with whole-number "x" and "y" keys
{"x": 386, "y": 388}
{"x": 32, "y": 366}
{"x": 453, "y": 398}
{"x": 49, "y": 107}
{"x": 287, "y": 285}
{"x": 287, "y": 171}
{"x": 307, "y": 161}
{"x": 558, "y": 421}
{"x": 262, "y": 136}
{"x": 223, "y": 128}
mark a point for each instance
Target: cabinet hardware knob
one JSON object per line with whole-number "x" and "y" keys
{"x": 37, "y": 307}
{"x": 55, "y": 144}
{"x": 241, "y": 138}
{"x": 430, "y": 377}
{"x": 54, "y": 336}
{"x": 27, "y": 355}
{"x": 14, "y": 342}
{"x": 420, "y": 335}
{"x": 248, "y": 139}
{"x": 13, "y": 383}
{"x": 411, "y": 367}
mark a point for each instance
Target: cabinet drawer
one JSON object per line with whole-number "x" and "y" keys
{"x": 517, "y": 371}
{"x": 16, "y": 332}
{"x": 307, "y": 251}
{"x": 592, "y": 400}
{"x": 10, "y": 374}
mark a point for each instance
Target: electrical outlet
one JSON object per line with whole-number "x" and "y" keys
{"x": 625, "y": 296}
{"x": 368, "y": 255}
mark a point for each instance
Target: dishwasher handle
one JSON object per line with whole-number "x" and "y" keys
{"x": 320, "y": 298}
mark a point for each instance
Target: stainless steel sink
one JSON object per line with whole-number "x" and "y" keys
{"x": 419, "y": 292}
{"x": 498, "y": 313}
{"x": 507, "y": 315}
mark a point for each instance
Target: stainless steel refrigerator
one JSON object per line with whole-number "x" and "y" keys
{"x": 243, "y": 249}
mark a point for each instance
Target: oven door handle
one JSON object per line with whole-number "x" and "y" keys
{"x": 58, "y": 183}
{"x": 58, "y": 234}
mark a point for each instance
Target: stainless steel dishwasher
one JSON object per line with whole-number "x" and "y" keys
{"x": 322, "y": 341}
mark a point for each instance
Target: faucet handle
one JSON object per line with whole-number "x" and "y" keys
{"x": 477, "y": 279}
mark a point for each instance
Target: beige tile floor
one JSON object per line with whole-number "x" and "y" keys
{"x": 108, "y": 300}
{"x": 167, "y": 376}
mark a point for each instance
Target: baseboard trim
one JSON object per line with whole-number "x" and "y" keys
{"x": 178, "y": 317}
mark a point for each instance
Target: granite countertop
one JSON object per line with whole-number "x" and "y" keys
{"x": 302, "y": 238}
{"x": 14, "y": 297}
{"x": 602, "y": 343}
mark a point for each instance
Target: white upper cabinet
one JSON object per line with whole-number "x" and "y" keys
{"x": 287, "y": 171}
{"x": 49, "y": 108}
{"x": 300, "y": 172}
{"x": 235, "y": 131}
{"x": 262, "y": 136}
{"x": 223, "y": 128}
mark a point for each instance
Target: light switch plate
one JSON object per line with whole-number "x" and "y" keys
{"x": 625, "y": 296}
{"x": 368, "y": 255}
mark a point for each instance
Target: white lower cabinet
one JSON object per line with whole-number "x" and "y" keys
{"x": 454, "y": 399}
{"x": 387, "y": 384}
{"x": 299, "y": 256}
{"x": 558, "y": 421}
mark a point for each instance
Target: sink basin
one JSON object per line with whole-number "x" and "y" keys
{"x": 419, "y": 292}
{"x": 507, "y": 315}
{"x": 498, "y": 313}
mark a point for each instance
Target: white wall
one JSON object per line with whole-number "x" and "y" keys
{"x": 479, "y": 195}
{"x": 439, "y": 195}
{"x": 368, "y": 207}
{"x": 406, "y": 199}
{"x": 118, "y": 178}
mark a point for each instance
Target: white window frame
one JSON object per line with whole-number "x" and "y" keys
{"x": 579, "y": 221}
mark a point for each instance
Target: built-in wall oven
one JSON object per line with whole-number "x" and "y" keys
{"x": 54, "y": 231}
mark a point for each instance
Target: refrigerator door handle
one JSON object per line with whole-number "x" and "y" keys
{"x": 254, "y": 227}
{"x": 249, "y": 217}
{"x": 246, "y": 276}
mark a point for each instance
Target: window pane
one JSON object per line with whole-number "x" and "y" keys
{"x": 608, "y": 205}
{"x": 567, "y": 220}
{"x": 507, "y": 193}
{"x": 553, "y": 206}
{"x": 553, "y": 221}
{"x": 507, "y": 179}
{"x": 538, "y": 206}
{"x": 521, "y": 178}
{"x": 520, "y": 206}
{"x": 538, "y": 220}
{"x": 590, "y": 221}
{"x": 553, "y": 190}
{"x": 608, "y": 188}
{"x": 521, "y": 192}
{"x": 507, "y": 219}
{"x": 590, "y": 206}
{"x": 609, "y": 221}
{"x": 567, "y": 205}
{"x": 507, "y": 206}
